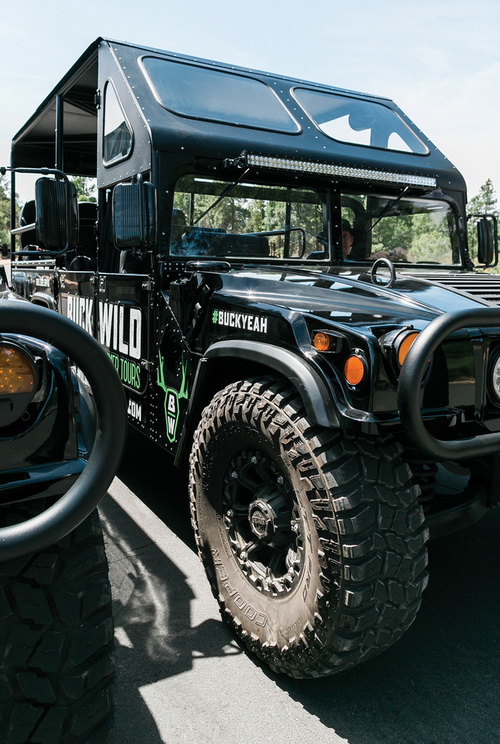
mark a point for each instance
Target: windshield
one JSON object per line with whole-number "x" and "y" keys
{"x": 219, "y": 218}
{"x": 241, "y": 219}
{"x": 400, "y": 228}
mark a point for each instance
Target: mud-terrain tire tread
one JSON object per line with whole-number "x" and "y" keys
{"x": 56, "y": 635}
{"x": 368, "y": 520}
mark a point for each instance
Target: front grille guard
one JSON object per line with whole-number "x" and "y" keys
{"x": 410, "y": 380}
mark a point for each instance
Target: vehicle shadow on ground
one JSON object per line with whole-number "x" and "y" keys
{"x": 440, "y": 683}
{"x": 155, "y": 637}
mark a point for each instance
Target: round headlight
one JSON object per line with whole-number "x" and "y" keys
{"x": 396, "y": 344}
{"x": 495, "y": 377}
{"x": 404, "y": 344}
{"x": 17, "y": 371}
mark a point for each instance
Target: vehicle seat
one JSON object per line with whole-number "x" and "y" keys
{"x": 28, "y": 217}
{"x": 201, "y": 241}
{"x": 86, "y": 249}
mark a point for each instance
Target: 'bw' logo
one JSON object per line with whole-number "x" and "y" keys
{"x": 172, "y": 398}
{"x": 172, "y": 414}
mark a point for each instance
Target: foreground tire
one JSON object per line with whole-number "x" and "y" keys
{"x": 56, "y": 636}
{"x": 313, "y": 540}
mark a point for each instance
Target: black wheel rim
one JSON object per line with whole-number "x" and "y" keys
{"x": 263, "y": 522}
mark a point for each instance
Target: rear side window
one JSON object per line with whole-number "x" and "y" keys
{"x": 117, "y": 143}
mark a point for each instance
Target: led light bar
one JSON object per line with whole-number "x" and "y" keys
{"x": 327, "y": 169}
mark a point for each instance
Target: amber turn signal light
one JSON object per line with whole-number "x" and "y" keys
{"x": 354, "y": 369}
{"x": 322, "y": 341}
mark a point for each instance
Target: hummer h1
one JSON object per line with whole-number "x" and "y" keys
{"x": 280, "y": 273}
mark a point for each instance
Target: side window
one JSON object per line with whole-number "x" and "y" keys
{"x": 117, "y": 143}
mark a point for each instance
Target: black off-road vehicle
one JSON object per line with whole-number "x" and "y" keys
{"x": 56, "y": 629}
{"x": 280, "y": 273}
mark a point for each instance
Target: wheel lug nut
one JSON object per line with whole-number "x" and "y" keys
{"x": 280, "y": 480}
{"x": 230, "y": 513}
{"x": 234, "y": 474}
{"x": 253, "y": 460}
{"x": 243, "y": 555}
{"x": 295, "y": 528}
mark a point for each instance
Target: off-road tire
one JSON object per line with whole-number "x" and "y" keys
{"x": 56, "y": 637}
{"x": 313, "y": 539}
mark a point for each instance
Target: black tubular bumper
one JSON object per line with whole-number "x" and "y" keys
{"x": 410, "y": 381}
{"x": 81, "y": 498}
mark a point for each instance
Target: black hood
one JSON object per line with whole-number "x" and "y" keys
{"x": 351, "y": 296}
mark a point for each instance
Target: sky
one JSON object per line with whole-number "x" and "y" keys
{"x": 439, "y": 60}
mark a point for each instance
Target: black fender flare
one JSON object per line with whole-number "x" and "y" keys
{"x": 77, "y": 503}
{"x": 312, "y": 388}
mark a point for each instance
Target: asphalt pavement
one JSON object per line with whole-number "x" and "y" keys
{"x": 182, "y": 679}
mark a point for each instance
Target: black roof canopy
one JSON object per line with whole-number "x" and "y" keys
{"x": 35, "y": 144}
{"x": 182, "y": 104}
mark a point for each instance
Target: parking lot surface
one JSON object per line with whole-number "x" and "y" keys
{"x": 181, "y": 678}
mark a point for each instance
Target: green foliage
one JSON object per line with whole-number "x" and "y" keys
{"x": 393, "y": 232}
{"x": 86, "y": 189}
{"x": 485, "y": 202}
{"x": 4, "y": 212}
{"x": 420, "y": 231}
{"x": 420, "y": 236}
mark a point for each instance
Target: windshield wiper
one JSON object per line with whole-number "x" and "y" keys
{"x": 390, "y": 204}
{"x": 226, "y": 191}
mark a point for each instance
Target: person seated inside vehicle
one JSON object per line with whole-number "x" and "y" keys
{"x": 179, "y": 227}
{"x": 394, "y": 254}
{"x": 347, "y": 238}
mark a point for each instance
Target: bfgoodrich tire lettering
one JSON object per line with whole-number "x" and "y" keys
{"x": 56, "y": 636}
{"x": 313, "y": 540}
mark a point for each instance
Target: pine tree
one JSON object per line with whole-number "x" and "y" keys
{"x": 485, "y": 202}
{"x": 4, "y": 213}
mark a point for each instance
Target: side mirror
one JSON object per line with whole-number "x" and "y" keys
{"x": 487, "y": 247}
{"x": 134, "y": 215}
{"x": 56, "y": 214}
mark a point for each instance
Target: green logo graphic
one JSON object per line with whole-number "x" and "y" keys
{"x": 215, "y": 316}
{"x": 172, "y": 398}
